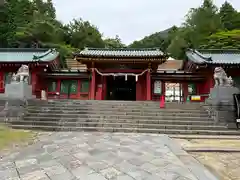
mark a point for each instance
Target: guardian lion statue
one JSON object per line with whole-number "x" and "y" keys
{"x": 22, "y": 74}
{"x": 221, "y": 78}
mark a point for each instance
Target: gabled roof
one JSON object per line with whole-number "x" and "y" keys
{"x": 121, "y": 53}
{"x": 171, "y": 65}
{"x": 27, "y": 55}
{"x": 75, "y": 65}
{"x": 214, "y": 56}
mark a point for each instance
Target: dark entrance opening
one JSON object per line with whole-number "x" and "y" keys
{"x": 120, "y": 89}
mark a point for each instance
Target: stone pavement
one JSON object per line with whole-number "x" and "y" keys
{"x": 102, "y": 156}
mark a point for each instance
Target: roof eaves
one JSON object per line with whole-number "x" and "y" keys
{"x": 23, "y": 50}
{"x": 197, "y": 57}
{"x": 113, "y": 52}
{"x": 220, "y": 51}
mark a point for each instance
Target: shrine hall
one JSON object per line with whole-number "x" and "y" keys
{"x": 120, "y": 74}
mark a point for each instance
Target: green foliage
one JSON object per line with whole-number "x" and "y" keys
{"x": 83, "y": 34}
{"x": 229, "y": 16}
{"x": 204, "y": 27}
{"x": 223, "y": 40}
{"x": 33, "y": 23}
{"x": 114, "y": 43}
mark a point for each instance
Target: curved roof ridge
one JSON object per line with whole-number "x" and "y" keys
{"x": 207, "y": 58}
{"x": 214, "y": 56}
{"x": 217, "y": 51}
{"x": 123, "y": 49}
{"x": 44, "y": 54}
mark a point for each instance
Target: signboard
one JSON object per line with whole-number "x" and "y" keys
{"x": 195, "y": 98}
{"x": 157, "y": 87}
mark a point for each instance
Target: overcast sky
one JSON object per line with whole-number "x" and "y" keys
{"x": 130, "y": 19}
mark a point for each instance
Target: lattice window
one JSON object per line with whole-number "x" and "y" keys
{"x": 52, "y": 86}
{"x": 68, "y": 86}
{"x": 84, "y": 86}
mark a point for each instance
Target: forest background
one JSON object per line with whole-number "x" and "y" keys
{"x": 33, "y": 24}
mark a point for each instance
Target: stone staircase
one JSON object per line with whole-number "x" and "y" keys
{"x": 119, "y": 116}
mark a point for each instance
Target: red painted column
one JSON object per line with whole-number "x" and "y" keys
{"x": 104, "y": 92}
{"x": 211, "y": 83}
{"x": 149, "y": 90}
{"x": 34, "y": 82}
{"x": 78, "y": 88}
{"x": 2, "y": 80}
{"x": 163, "y": 89}
{"x": 162, "y": 96}
{"x": 93, "y": 84}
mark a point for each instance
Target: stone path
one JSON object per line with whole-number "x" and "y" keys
{"x": 102, "y": 156}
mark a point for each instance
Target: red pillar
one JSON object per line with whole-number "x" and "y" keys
{"x": 163, "y": 89}
{"x": 93, "y": 84}
{"x": 149, "y": 91}
{"x": 34, "y": 83}
{"x": 104, "y": 92}
{"x": 162, "y": 96}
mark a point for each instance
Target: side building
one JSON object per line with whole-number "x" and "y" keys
{"x": 204, "y": 62}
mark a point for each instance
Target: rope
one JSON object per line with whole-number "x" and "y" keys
{"x": 121, "y": 74}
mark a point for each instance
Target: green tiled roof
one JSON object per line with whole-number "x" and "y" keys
{"x": 27, "y": 55}
{"x": 214, "y": 56}
{"x": 120, "y": 52}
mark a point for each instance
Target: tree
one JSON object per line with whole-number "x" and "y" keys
{"x": 229, "y": 16}
{"x": 83, "y": 34}
{"x": 7, "y": 29}
{"x": 45, "y": 8}
{"x": 178, "y": 44}
{"x": 114, "y": 42}
{"x": 152, "y": 41}
{"x": 202, "y": 22}
{"x": 222, "y": 40}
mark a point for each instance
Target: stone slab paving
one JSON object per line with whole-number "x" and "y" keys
{"x": 102, "y": 156}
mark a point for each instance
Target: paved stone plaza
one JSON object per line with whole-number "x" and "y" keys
{"x": 102, "y": 156}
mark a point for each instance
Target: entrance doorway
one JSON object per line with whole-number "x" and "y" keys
{"x": 173, "y": 92}
{"x": 120, "y": 89}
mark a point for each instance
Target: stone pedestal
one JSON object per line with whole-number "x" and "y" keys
{"x": 18, "y": 90}
{"x": 16, "y": 98}
{"x": 221, "y": 104}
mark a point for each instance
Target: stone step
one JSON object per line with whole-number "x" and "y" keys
{"x": 117, "y": 117}
{"x": 117, "y": 104}
{"x": 135, "y": 130}
{"x": 119, "y": 125}
{"x": 113, "y": 102}
{"x": 107, "y": 102}
{"x": 142, "y": 113}
{"x": 79, "y": 108}
{"x": 143, "y": 121}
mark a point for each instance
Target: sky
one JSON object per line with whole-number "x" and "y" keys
{"x": 129, "y": 19}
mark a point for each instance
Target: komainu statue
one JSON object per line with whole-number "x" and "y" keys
{"x": 221, "y": 78}
{"x": 22, "y": 74}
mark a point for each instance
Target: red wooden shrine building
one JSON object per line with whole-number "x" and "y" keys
{"x": 119, "y": 74}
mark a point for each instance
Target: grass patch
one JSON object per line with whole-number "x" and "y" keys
{"x": 10, "y": 136}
